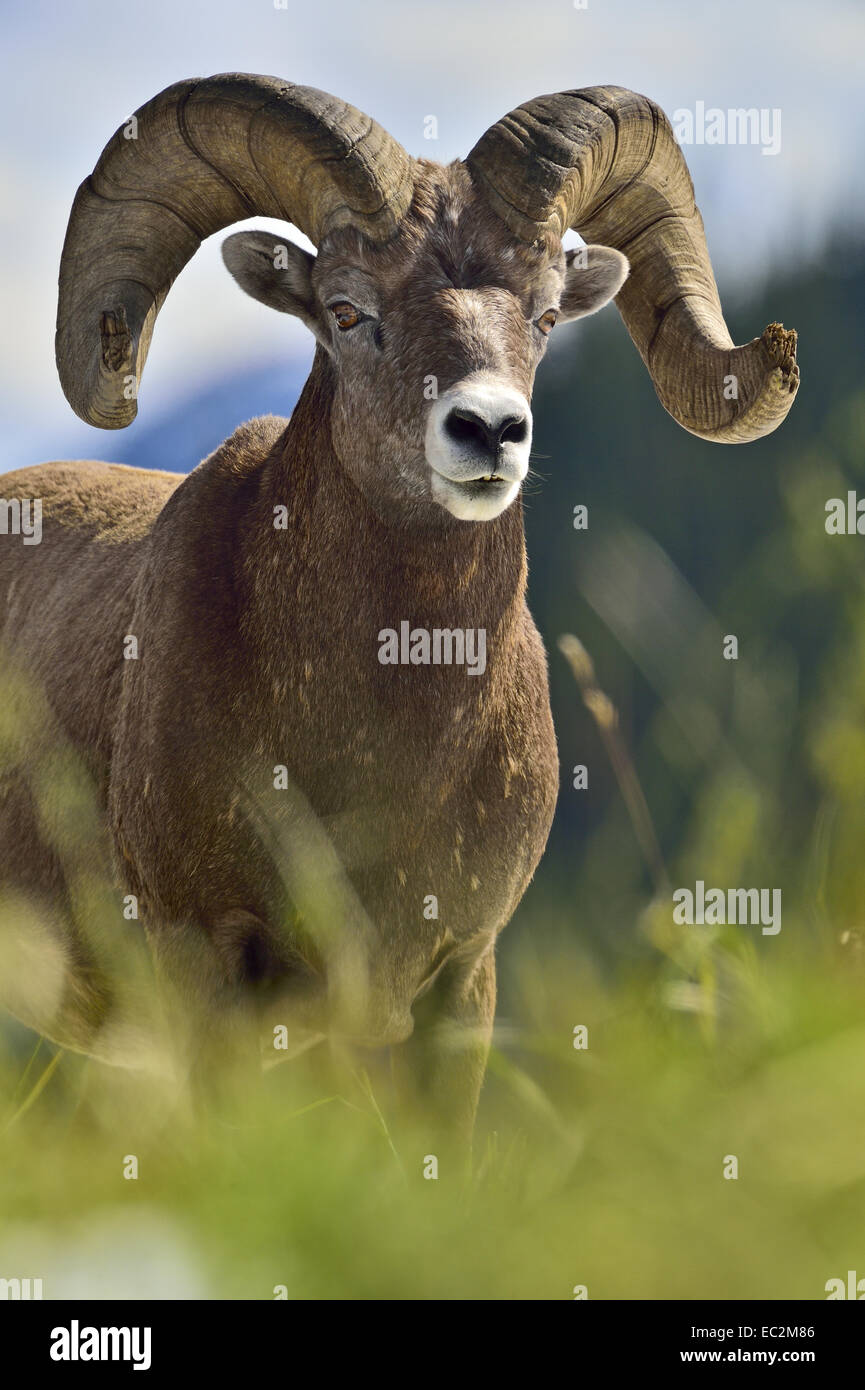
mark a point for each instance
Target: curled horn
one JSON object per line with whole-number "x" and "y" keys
{"x": 605, "y": 162}
{"x": 198, "y": 157}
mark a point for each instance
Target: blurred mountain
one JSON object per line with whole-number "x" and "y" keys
{"x": 190, "y": 430}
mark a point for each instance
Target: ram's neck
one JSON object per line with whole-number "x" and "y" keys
{"x": 361, "y": 574}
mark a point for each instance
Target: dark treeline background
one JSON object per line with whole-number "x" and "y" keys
{"x": 752, "y": 769}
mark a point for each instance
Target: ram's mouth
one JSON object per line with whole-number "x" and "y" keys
{"x": 479, "y": 481}
{"x": 474, "y": 499}
{"x": 490, "y": 482}
{"x": 487, "y": 485}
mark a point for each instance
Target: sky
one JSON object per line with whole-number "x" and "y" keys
{"x": 71, "y": 73}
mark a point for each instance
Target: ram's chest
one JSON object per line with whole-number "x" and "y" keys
{"x": 436, "y": 806}
{"x": 432, "y": 789}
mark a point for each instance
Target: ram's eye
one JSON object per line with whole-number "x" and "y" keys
{"x": 547, "y": 321}
{"x": 345, "y": 314}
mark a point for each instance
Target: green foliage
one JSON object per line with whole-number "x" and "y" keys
{"x": 601, "y": 1167}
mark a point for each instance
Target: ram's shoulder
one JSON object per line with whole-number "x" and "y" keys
{"x": 216, "y": 494}
{"x": 243, "y": 453}
{"x": 199, "y": 529}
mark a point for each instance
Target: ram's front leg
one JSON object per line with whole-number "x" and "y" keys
{"x": 439, "y": 1071}
{"x": 207, "y": 981}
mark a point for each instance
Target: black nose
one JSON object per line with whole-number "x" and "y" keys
{"x": 465, "y": 427}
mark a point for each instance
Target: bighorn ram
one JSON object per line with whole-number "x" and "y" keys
{"x": 261, "y": 729}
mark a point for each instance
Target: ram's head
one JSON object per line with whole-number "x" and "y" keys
{"x": 435, "y": 288}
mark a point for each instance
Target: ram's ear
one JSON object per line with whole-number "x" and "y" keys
{"x": 593, "y": 276}
{"x": 274, "y": 271}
